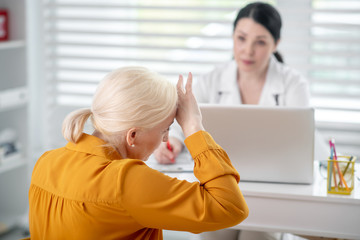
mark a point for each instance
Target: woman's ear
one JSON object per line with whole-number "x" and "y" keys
{"x": 131, "y": 136}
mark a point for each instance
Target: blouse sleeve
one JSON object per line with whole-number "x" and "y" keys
{"x": 156, "y": 200}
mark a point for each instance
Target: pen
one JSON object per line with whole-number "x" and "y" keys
{"x": 330, "y": 167}
{"x": 333, "y": 163}
{"x": 170, "y": 148}
{"x": 347, "y": 166}
{"x": 342, "y": 180}
{"x": 335, "y": 168}
{"x": 276, "y": 96}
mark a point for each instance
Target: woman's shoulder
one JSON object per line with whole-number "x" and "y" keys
{"x": 286, "y": 72}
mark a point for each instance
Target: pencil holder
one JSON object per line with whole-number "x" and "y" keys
{"x": 340, "y": 175}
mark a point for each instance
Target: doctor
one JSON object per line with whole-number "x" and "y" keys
{"x": 256, "y": 75}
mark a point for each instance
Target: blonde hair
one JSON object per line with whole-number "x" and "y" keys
{"x": 127, "y": 97}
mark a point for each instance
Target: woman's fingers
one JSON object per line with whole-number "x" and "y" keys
{"x": 179, "y": 85}
{"x": 188, "y": 113}
{"x": 163, "y": 155}
{"x": 189, "y": 83}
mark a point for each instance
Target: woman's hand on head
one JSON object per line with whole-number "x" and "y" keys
{"x": 165, "y": 156}
{"x": 188, "y": 113}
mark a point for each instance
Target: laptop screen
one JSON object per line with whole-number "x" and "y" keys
{"x": 265, "y": 144}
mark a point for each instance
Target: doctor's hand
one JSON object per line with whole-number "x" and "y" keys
{"x": 188, "y": 113}
{"x": 165, "y": 156}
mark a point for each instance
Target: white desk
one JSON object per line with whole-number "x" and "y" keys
{"x": 299, "y": 209}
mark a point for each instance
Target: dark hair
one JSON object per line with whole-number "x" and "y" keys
{"x": 267, "y": 16}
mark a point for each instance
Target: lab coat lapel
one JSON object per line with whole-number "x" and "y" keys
{"x": 273, "y": 91}
{"x": 229, "y": 91}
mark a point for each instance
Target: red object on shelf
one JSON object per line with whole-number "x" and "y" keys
{"x": 4, "y": 25}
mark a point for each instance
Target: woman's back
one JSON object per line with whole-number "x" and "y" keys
{"x": 83, "y": 191}
{"x": 75, "y": 194}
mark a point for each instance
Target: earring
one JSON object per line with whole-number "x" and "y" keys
{"x": 132, "y": 145}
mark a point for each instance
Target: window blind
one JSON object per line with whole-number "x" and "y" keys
{"x": 334, "y": 71}
{"x": 83, "y": 40}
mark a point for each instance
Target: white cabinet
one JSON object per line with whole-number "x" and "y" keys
{"x": 14, "y": 107}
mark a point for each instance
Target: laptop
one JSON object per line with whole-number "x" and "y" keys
{"x": 265, "y": 144}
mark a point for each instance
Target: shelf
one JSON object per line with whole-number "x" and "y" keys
{"x": 14, "y": 114}
{"x": 13, "y": 98}
{"x": 13, "y": 161}
{"x": 12, "y": 44}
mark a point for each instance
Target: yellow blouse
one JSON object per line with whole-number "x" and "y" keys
{"x": 85, "y": 191}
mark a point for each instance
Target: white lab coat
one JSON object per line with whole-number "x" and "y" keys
{"x": 220, "y": 87}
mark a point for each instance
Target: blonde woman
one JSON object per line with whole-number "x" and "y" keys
{"x": 98, "y": 186}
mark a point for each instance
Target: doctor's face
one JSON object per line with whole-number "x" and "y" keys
{"x": 253, "y": 46}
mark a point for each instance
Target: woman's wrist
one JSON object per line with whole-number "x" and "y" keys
{"x": 190, "y": 130}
